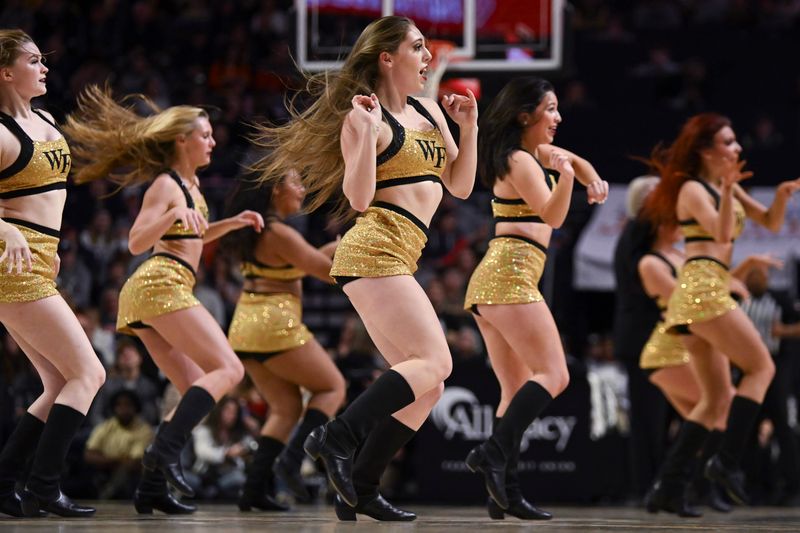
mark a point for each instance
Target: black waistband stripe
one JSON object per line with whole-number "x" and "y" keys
{"x": 177, "y": 259}
{"x": 35, "y": 227}
{"x": 404, "y": 213}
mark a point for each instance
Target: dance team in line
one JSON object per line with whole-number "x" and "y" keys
{"x": 384, "y": 157}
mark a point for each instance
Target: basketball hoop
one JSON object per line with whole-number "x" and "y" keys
{"x": 441, "y": 48}
{"x": 443, "y": 54}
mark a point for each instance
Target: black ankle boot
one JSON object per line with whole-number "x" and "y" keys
{"x": 372, "y": 459}
{"x": 290, "y": 460}
{"x": 337, "y": 458}
{"x": 492, "y": 457}
{"x": 14, "y": 457}
{"x": 152, "y": 492}
{"x": 717, "y": 500}
{"x": 33, "y": 506}
{"x": 490, "y": 460}
{"x": 723, "y": 467}
{"x": 670, "y": 497}
{"x": 669, "y": 491}
{"x": 165, "y": 452}
{"x": 42, "y": 491}
{"x": 263, "y": 502}
{"x": 165, "y": 502}
{"x": 336, "y": 442}
{"x": 169, "y": 467}
{"x": 706, "y": 492}
{"x": 521, "y": 509}
{"x": 258, "y": 490}
{"x": 11, "y": 505}
{"x": 289, "y": 472}
{"x": 730, "y": 479}
{"x": 518, "y": 506}
{"x": 377, "y": 508}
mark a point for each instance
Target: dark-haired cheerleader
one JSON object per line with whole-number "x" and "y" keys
{"x": 267, "y": 332}
{"x": 521, "y": 336}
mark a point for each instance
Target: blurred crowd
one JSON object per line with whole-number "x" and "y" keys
{"x": 233, "y": 57}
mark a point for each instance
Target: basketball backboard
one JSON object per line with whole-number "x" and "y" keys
{"x": 489, "y": 35}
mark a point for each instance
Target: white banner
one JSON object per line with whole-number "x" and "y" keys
{"x": 594, "y": 254}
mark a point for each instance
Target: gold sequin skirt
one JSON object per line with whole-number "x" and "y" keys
{"x": 385, "y": 241}
{"x": 701, "y": 294}
{"x": 267, "y": 324}
{"x": 40, "y": 282}
{"x": 508, "y": 274}
{"x": 162, "y": 284}
{"x": 663, "y": 350}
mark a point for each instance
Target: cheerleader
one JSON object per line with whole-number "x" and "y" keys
{"x": 34, "y": 164}
{"x": 368, "y": 144}
{"x": 156, "y": 304}
{"x": 521, "y": 336}
{"x": 699, "y": 191}
{"x": 267, "y": 332}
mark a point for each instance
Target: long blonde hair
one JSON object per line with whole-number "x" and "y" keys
{"x": 11, "y": 42}
{"x": 108, "y": 140}
{"x": 309, "y": 142}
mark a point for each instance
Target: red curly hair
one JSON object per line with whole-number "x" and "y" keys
{"x": 679, "y": 162}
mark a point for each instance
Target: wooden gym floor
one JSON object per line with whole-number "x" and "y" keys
{"x": 119, "y": 517}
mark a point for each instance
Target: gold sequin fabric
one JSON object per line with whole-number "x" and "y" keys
{"x": 503, "y": 208}
{"x": 422, "y": 153}
{"x": 159, "y": 286}
{"x": 381, "y": 243}
{"x": 701, "y": 293}
{"x": 49, "y": 164}
{"x": 663, "y": 350}
{"x": 41, "y": 281}
{"x": 177, "y": 229}
{"x": 267, "y": 323}
{"x": 254, "y": 269}
{"x": 508, "y": 274}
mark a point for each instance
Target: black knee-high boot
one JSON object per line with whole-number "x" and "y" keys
{"x": 723, "y": 467}
{"x": 518, "y": 506}
{"x": 377, "y": 452}
{"x": 165, "y": 452}
{"x": 336, "y": 442}
{"x": 153, "y": 492}
{"x": 257, "y": 490}
{"x": 288, "y": 463}
{"x": 43, "y": 491}
{"x": 706, "y": 490}
{"x": 18, "y": 449}
{"x": 492, "y": 457}
{"x": 668, "y": 493}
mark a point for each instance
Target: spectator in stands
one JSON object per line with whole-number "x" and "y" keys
{"x": 115, "y": 446}
{"x": 221, "y": 448}
{"x": 127, "y": 375}
{"x": 102, "y": 340}
{"x": 74, "y": 277}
